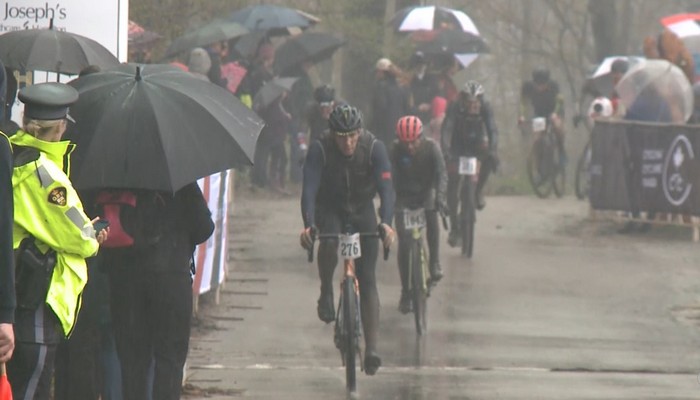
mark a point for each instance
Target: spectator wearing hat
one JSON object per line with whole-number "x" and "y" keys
{"x": 389, "y": 101}
{"x": 52, "y": 236}
{"x": 423, "y": 88}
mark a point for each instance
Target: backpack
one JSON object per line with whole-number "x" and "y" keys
{"x": 134, "y": 216}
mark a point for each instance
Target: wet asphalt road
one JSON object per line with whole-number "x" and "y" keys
{"x": 553, "y": 306}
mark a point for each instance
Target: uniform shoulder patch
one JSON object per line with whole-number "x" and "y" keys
{"x": 58, "y": 196}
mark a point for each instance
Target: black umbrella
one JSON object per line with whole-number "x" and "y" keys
{"x": 272, "y": 90}
{"x": 156, "y": 127}
{"x": 454, "y": 42}
{"x": 278, "y": 19}
{"x": 213, "y": 32}
{"x": 247, "y": 45}
{"x": 53, "y": 51}
{"x": 310, "y": 47}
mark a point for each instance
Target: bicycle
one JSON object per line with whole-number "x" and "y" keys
{"x": 348, "y": 321}
{"x": 469, "y": 178}
{"x": 544, "y": 167}
{"x": 418, "y": 271}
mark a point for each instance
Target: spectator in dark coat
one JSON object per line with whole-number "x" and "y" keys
{"x": 389, "y": 101}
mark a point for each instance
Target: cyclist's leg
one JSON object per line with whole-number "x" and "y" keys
{"x": 366, "y": 221}
{"x": 484, "y": 173}
{"x": 433, "y": 236}
{"x": 453, "y": 203}
{"x": 402, "y": 258}
{"x": 327, "y": 222}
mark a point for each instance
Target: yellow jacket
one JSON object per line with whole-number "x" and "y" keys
{"x": 48, "y": 208}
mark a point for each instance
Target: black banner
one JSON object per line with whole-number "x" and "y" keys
{"x": 640, "y": 166}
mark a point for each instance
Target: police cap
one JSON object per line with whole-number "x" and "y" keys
{"x": 47, "y": 101}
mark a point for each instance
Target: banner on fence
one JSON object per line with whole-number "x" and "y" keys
{"x": 640, "y": 166}
{"x": 210, "y": 256}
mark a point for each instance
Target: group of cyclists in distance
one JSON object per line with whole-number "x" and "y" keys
{"x": 346, "y": 166}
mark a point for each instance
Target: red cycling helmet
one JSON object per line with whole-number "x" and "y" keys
{"x": 409, "y": 128}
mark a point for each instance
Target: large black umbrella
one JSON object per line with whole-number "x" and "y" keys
{"x": 450, "y": 41}
{"x": 213, "y": 32}
{"x": 310, "y": 47}
{"x": 53, "y": 51}
{"x": 272, "y": 90}
{"x": 156, "y": 127}
{"x": 263, "y": 17}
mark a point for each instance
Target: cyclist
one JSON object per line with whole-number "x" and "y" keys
{"x": 469, "y": 129}
{"x": 343, "y": 172}
{"x": 541, "y": 98}
{"x": 420, "y": 181}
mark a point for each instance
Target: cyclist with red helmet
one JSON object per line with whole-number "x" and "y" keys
{"x": 420, "y": 181}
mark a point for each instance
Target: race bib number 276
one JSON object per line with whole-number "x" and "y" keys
{"x": 349, "y": 247}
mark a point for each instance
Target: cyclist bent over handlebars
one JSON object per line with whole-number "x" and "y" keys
{"x": 343, "y": 172}
{"x": 420, "y": 181}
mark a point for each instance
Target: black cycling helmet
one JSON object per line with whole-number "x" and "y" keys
{"x": 345, "y": 119}
{"x": 324, "y": 94}
{"x": 540, "y": 75}
{"x": 620, "y": 66}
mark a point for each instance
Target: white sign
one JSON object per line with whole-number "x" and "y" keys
{"x": 350, "y": 247}
{"x": 104, "y": 21}
{"x": 467, "y": 166}
{"x": 414, "y": 219}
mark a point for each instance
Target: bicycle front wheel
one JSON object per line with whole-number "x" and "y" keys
{"x": 350, "y": 321}
{"x": 468, "y": 217}
{"x": 537, "y": 169}
{"x": 420, "y": 289}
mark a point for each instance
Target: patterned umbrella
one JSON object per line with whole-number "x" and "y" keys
{"x": 429, "y": 18}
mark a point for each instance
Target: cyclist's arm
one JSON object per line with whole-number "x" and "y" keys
{"x": 440, "y": 178}
{"x": 559, "y": 107}
{"x": 525, "y": 99}
{"x": 382, "y": 175}
{"x": 313, "y": 165}
{"x": 448, "y": 125}
{"x": 490, "y": 122}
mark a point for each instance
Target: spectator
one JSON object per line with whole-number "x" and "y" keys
{"x": 423, "y": 88}
{"x": 389, "y": 101}
{"x": 200, "y": 64}
{"x": 277, "y": 121}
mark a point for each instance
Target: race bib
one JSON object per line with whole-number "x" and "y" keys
{"x": 349, "y": 247}
{"x": 413, "y": 219}
{"x": 467, "y": 165}
{"x": 539, "y": 124}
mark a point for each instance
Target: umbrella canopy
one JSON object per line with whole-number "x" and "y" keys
{"x": 453, "y": 42}
{"x": 53, "y": 51}
{"x": 656, "y": 90}
{"x": 247, "y": 45}
{"x": 263, "y": 17}
{"x": 687, "y": 27}
{"x": 156, "y": 127}
{"x": 213, "y": 32}
{"x": 271, "y": 91}
{"x": 602, "y": 78}
{"x": 310, "y": 47}
{"x": 428, "y": 18}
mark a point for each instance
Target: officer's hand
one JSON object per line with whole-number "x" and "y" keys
{"x": 389, "y": 235}
{"x": 7, "y": 342}
{"x": 306, "y": 239}
{"x": 102, "y": 235}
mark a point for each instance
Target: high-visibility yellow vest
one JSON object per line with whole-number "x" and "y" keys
{"x": 48, "y": 208}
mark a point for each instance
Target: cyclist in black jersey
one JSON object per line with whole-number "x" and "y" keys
{"x": 343, "y": 172}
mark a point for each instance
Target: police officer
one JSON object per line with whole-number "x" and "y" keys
{"x": 7, "y": 265}
{"x": 420, "y": 181}
{"x": 344, "y": 171}
{"x": 52, "y": 236}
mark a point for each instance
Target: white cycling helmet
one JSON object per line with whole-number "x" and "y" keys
{"x": 473, "y": 89}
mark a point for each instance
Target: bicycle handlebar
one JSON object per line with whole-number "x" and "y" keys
{"x": 327, "y": 236}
